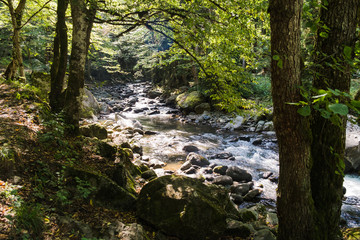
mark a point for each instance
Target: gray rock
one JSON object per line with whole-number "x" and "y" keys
{"x": 223, "y": 180}
{"x": 235, "y": 123}
{"x": 155, "y": 163}
{"x": 191, "y": 170}
{"x": 190, "y": 148}
{"x": 352, "y": 159}
{"x": 238, "y": 228}
{"x": 94, "y": 130}
{"x": 257, "y": 142}
{"x": 220, "y": 169}
{"x": 197, "y": 159}
{"x": 188, "y": 101}
{"x": 186, "y": 208}
{"x": 154, "y": 94}
{"x": 201, "y": 108}
{"x": 185, "y": 166}
{"x": 242, "y": 189}
{"x": 223, "y": 155}
{"x": 247, "y": 215}
{"x": 238, "y": 174}
{"x": 264, "y": 234}
{"x": 236, "y": 198}
{"x": 268, "y": 126}
{"x": 252, "y": 194}
{"x": 119, "y": 230}
{"x": 272, "y": 219}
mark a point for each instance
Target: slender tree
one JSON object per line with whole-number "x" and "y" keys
{"x": 294, "y": 201}
{"x": 16, "y": 64}
{"x": 83, "y": 14}
{"x": 59, "y": 65}
{"x": 334, "y": 52}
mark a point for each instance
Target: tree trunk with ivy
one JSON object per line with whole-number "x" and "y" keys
{"x": 59, "y": 65}
{"x": 83, "y": 18}
{"x": 294, "y": 202}
{"x": 16, "y": 66}
{"x": 334, "y": 47}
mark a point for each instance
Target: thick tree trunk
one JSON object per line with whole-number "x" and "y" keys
{"x": 58, "y": 68}
{"x": 328, "y": 147}
{"x": 82, "y": 25}
{"x": 294, "y": 201}
{"x": 16, "y": 65}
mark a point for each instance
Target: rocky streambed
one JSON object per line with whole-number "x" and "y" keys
{"x": 239, "y": 154}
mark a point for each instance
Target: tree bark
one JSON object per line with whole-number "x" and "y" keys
{"x": 83, "y": 19}
{"x": 294, "y": 201}
{"x": 58, "y": 68}
{"x": 328, "y": 148}
{"x": 17, "y": 61}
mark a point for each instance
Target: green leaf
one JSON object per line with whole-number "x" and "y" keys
{"x": 324, "y": 35}
{"x": 347, "y": 51}
{"x": 276, "y": 57}
{"x": 280, "y": 64}
{"x": 304, "y": 111}
{"x": 339, "y": 108}
{"x": 325, "y": 114}
{"x": 355, "y": 103}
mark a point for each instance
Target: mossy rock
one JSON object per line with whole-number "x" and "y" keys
{"x": 94, "y": 130}
{"x": 185, "y": 207}
{"x": 188, "y": 101}
{"x": 108, "y": 193}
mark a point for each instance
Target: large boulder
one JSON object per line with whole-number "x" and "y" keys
{"x": 94, "y": 130}
{"x": 186, "y": 208}
{"x": 352, "y": 159}
{"x": 235, "y": 123}
{"x": 197, "y": 159}
{"x": 238, "y": 174}
{"x": 90, "y": 105}
{"x": 188, "y": 101}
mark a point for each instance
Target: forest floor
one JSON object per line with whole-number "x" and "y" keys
{"x": 31, "y": 196}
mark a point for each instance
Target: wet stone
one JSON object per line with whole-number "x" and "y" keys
{"x": 220, "y": 169}
{"x": 190, "y": 148}
{"x": 223, "y": 180}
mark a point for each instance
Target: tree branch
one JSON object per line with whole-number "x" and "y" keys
{"x": 32, "y": 16}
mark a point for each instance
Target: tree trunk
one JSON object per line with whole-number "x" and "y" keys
{"x": 17, "y": 61}
{"x": 294, "y": 202}
{"x": 82, "y": 24}
{"x": 58, "y": 68}
{"x": 328, "y": 147}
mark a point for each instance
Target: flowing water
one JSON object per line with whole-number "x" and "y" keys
{"x": 173, "y": 134}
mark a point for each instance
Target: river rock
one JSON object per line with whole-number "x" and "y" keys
{"x": 238, "y": 228}
{"x": 94, "y": 130}
{"x": 223, "y": 155}
{"x": 268, "y": 126}
{"x": 185, "y": 166}
{"x": 250, "y": 196}
{"x": 154, "y": 94}
{"x": 119, "y": 230}
{"x": 223, "y": 180}
{"x": 186, "y": 208}
{"x": 188, "y": 101}
{"x": 149, "y": 174}
{"x": 272, "y": 219}
{"x": 248, "y": 215}
{"x": 352, "y": 159}
{"x": 90, "y": 105}
{"x": 191, "y": 170}
{"x": 259, "y": 126}
{"x": 190, "y": 148}
{"x": 238, "y": 174}
{"x": 264, "y": 234}
{"x": 235, "y": 123}
{"x": 236, "y": 198}
{"x": 201, "y": 108}
{"x": 257, "y": 142}
{"x": 155, "y": 163}
{"x": 220, "y": 169}
{"x": 242, "y": 188}
{"x": 197, "y": 159}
